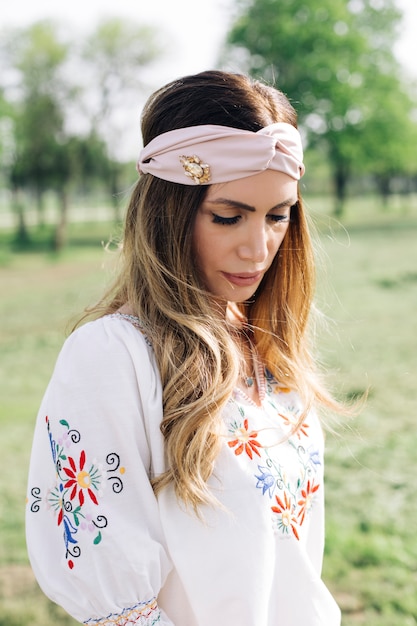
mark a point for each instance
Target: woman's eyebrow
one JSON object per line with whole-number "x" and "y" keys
{"x": 235, "y": 204}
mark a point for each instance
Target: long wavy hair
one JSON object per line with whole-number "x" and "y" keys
{"x": 158, "y": 278}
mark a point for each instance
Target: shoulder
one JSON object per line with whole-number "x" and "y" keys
{"x": 105, "y": 369}
{"x": 111, "y": 333}
{"x": 111, "y": 345}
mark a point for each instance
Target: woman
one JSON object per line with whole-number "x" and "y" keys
{"x": 177, "y": 466}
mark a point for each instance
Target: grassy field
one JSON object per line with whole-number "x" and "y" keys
{"x": 371, "y": 293}
{"x": 368, "y": 291}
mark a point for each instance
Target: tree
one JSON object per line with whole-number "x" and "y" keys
{"x": 328, "y": 58}
{"x": 36, "y": 55}
{"x": 47, "y": 84}
{"x": 390, "y": 134}
{"x": 114, "y": 58}
{"x": 7, "y": 162}
{"x": 6, "y": 140}
{"x": 79, "y": 159}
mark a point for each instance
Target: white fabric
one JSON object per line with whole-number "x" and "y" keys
{"x": 109, "y": 552}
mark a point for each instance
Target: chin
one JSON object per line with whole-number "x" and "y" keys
{"x": 241, "y": 298}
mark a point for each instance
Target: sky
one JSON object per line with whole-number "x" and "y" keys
{"x": 192, "y": 31}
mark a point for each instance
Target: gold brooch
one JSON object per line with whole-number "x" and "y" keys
{"x": 195, "y": 169}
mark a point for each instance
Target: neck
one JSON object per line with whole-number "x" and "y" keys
{"x": 235, "y": 319}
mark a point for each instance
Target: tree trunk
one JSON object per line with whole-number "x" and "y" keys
{"x": 40, "y": 206}
{"x": 114, "y": 191}
{"x": 22, "y": 237}
{"x": 340, "y": 179}
{"x": 60, "y": 236}
{"x": 383, "y": 182}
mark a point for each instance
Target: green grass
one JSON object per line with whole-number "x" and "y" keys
{"x": 42, "y": 293}
{"x": 368, "y": 292}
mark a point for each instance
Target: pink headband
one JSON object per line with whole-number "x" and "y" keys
{"x": 209, "y": 154}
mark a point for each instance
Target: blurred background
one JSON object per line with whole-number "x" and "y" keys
{"x": 73, "y": 80}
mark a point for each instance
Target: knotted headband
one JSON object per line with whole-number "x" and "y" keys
{"x": 208, "y": 154}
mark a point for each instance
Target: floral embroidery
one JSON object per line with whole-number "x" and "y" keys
{"x": 294, "y": 499}
{"x": 307, "y": 500}
{"x": 287, "y": 468}
{"x": 285, "y": 511}
{"x": 245, "y": 440}
{"x": 314, "y": 455}
{"x": 82, "y": 480}
{"x": 141, "y": 614}
{"x": 79, "y": 486}
{"x": 290, "y": 420}
{"x": 266, "y": 481}
{"x": 273, "y": 386}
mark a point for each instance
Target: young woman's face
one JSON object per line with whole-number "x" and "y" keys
{"x": 238, "y": 231}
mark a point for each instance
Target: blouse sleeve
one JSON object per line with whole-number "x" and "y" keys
{"x": 93, "y": 530}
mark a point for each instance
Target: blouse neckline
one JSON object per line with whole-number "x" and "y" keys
{"x": 259, "y": 368}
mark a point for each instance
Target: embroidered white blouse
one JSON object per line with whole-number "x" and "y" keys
{"x": 110, "y": 552}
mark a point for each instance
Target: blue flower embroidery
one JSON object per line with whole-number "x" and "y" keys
{"x": 314, "y": 454}
{"x": 266, "y": 481}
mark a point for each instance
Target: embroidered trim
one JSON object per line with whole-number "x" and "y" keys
{"x": 135, "y": 321}
{"x": 140, "y": 614}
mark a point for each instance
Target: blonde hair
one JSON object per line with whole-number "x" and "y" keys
{"x": 197, "y": 359}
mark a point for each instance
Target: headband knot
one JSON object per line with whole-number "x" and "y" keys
{"x": 208, "y": 154}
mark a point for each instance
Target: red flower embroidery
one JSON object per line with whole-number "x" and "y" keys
{"x": 245, "y": 441}
{"x": 60, "y": 515}
{"x": 80, "y": 480}
{"x": 287, "y": 519}
{"x": 291, "y": 421}
{"x": 307, "y": 500}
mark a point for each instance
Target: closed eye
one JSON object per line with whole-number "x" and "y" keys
{"x": 279, "y": 219}
{"x": 283, "y": 219}
{"x": 226, "y": 221}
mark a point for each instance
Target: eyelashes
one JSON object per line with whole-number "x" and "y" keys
{"x": 280, "y": 219}
{"x": 226, "y": 221}
{"x": 229, "y": 221}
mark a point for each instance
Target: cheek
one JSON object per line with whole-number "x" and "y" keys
{"x": 278, "y": 240}
{"x": 210, "y": 243}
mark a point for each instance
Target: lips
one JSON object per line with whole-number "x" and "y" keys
{"x": 244, "y": 279}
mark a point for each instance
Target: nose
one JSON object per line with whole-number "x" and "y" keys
{"x": 254, "y": 244}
